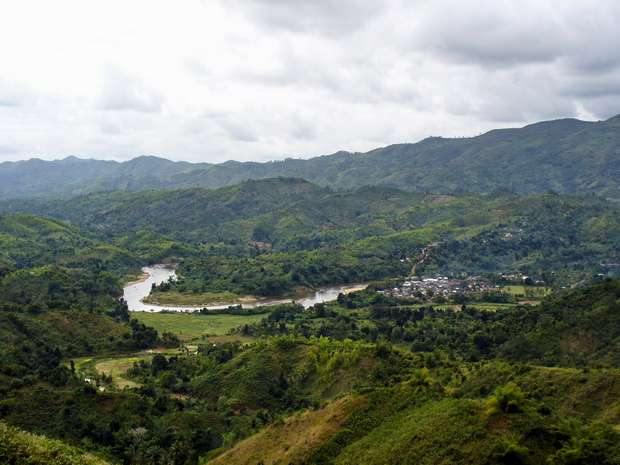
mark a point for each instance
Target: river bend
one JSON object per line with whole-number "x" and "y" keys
{"x": 133, "y": 293}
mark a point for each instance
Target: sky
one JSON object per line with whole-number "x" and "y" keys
{"x": 216, "y": 80}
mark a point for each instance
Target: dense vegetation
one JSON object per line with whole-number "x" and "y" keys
{"x": 19, "y": 447}
{"x": 458, "y": 378}
{"x": 270, "y": 237}
{"x": 59, "y": 293}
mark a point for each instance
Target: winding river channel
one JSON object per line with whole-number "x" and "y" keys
{"x": 133, "y": 293}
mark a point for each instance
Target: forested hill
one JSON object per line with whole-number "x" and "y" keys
{"x": 300, "y": 228}
{"x": 566, "y": 155}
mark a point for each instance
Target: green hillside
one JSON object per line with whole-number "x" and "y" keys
{"x": 577, "y": 329}
{"x": 59, "y": 293}
{"x": 29, "y": 241}
{"x": 270, "y": 236}
{"x": 36, "y": 178}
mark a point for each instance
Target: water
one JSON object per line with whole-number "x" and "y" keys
{"x": 160, "y": 273}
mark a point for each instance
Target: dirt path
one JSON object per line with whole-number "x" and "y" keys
{"x": 424, "y": 254}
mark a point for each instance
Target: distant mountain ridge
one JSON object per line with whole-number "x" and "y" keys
{"x": 566, "y": 155}
{"x": 35, "y": 177}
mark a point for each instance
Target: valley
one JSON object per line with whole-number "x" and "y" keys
{"x": 280, "y": 320}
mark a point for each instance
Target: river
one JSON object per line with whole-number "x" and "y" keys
{"x": 159, "y": 273}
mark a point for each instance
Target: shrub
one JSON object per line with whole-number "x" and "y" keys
{"x": 507, "y": 399}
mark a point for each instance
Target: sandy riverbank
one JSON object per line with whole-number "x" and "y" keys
{"x": 353, "y": 289}
{"x": 141, "y": 279}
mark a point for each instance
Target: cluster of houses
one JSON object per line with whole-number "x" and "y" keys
{"x": 439, "y": 285}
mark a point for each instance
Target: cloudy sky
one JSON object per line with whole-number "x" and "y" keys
{"x": 214, "y": 80}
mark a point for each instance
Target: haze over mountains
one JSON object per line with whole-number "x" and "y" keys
{"x": 565, "y": 155}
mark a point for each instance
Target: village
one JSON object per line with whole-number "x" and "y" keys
{"x": 439, "y": 286}
{"x": 443, "y": 289}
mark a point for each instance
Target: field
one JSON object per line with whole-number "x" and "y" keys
{"x": 116, "y": 367}
{"x": 490, "y": 306}
{"x": 533, "y": 292}
{"x": 188, "y": 326}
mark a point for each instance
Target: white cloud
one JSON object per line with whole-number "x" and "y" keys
{"x": 13, "y": 94}
{"x": 265, "y": 79}
{"x": 123, "y": 92}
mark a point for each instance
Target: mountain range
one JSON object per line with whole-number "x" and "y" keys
{"x": 566, "y": 156}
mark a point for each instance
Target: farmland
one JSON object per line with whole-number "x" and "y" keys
{"x": 188, "y": 326}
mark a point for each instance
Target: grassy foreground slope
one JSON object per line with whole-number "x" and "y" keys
{"x": 427, "y": 408}
{"x": 18, "y": 447}
{"x": 559, "y": 416}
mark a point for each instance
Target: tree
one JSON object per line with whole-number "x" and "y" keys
{"x": 159, "y": 363}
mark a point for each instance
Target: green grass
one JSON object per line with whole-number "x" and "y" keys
{"x": 116, "y": 367}
{"x": 84, "y": 366}
{"x": 490, "y": 306}
{"x": 196, "y": 300}
{"x": 188, "y": 326}
{"x": 533, "y": 292}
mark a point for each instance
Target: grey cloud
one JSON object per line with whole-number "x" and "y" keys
{"x": 9, "y": 100}
{"x": 490, "y": 40}
{"x": 109, "y": 127}
{"x": 525, "y": 107}
{"x": 121, "y": 91}
{"x": 331, "y": 17}
{"x": 304, "y": 131}
{"x": 587, "y": 86}
{"x": 597, "y": 60}
{"x": 195, "y": 67}
{"x": 239, "y": 131}
{"x": 332, "y": 75}
{"x": 602, "y": 107}
{"x": 506, "y": 34}
{"x": 524, "y": 61}
{"x": 301, "y": 78}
